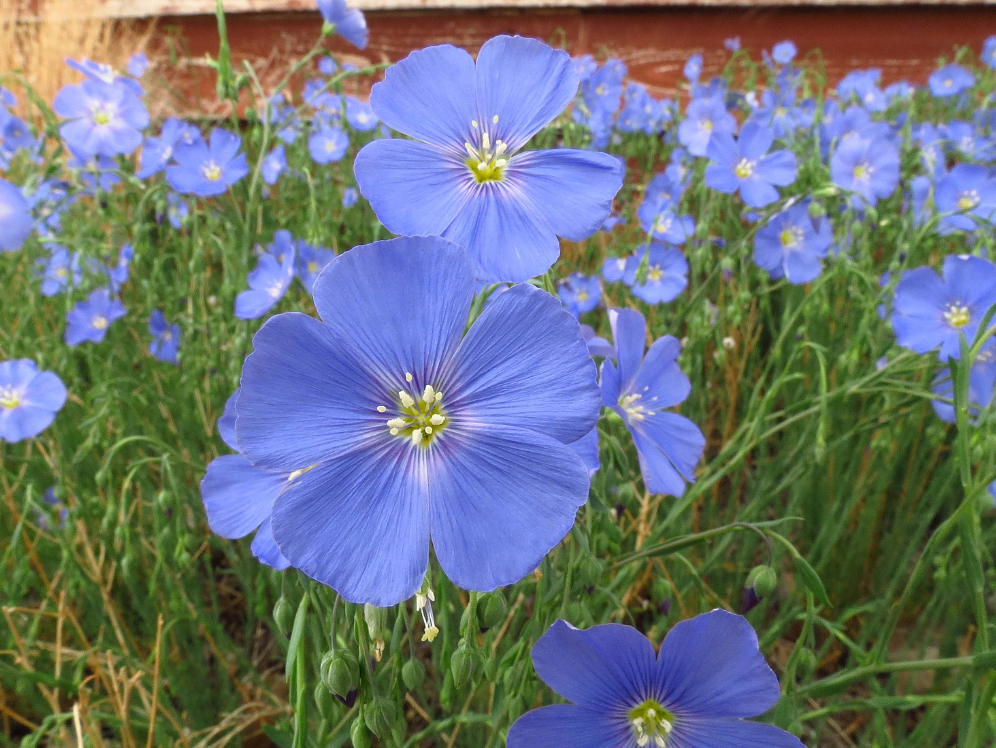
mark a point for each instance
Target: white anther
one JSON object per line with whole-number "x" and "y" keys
{"x": 485, "y": 141}
{"x": 381, "y": 409}
{"x": 408, "y": 376}
{"x": 397, "y": 423}
{"x": 429, "y": 393}
{"x": 406, "y": 399}
{"x": 439, "y": 396}
{"x": 500, "y": 162}
{"x": 416, "y": 437}
{"x": 428, "y": 430}
{"x": 437, "y": 419}
{"x": 394, "y": 432}
{"x": 495, "y": 119}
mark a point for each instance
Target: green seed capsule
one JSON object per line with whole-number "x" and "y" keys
{"x": 380, "y": 716}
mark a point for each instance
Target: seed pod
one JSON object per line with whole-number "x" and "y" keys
{"x": 283, "y": 614}
{"x": 380, "y": 716}
{"x": 359, "y": 734}
{"x": 763, "y": 579}
{"x": 464, "y": 665}
{"x": 491, "y": 609}
{"x": 340, "y": 672}
{"x": 413, "y": 674}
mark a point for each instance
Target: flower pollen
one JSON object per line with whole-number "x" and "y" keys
{"x": 421, "y": 418}
{"x": 9, "y": 398}
{"x": 99, "y": 323}
{"x": 744, "y": 169}
{"x": 791, "y": 237}
{"x": 652, "y": 724}
{"x": 212, "y": 172}
{"x": 486, "y": 162}
{"x": 631, "y": 404}
{"x": 956, "y": 314}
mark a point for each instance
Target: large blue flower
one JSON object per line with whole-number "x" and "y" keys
{"x": 640, "y": 389}
{"x": 29, "y": 399}
{"x": 106, "y": 119}
{"x": 694, "y": 693}
{"x": 16, "y": 222}
{"x": 405, "y": 429}
{"x": 745, "y": 164}
{"x": 468, "y": 180}
{"x": 930, "y": 311}
{"x": 791, "y": 245}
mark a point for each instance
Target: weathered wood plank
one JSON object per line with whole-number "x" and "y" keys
{"x": 152, "y": 8}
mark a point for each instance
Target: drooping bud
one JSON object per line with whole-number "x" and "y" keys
{"x": 283, "y": 614}
{"x": 413, "y": 674}
{"x": 491, "y": 609}
{"x": 340, "y": 672}
{"x": 380, "y": 716}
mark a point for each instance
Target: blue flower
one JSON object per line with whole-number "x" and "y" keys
{"x": 60, "y": 271}
{"x": 328, "y": 144}
{"x": 791, "y": 246}
{"x": 667, "y": 275}
{"x": 408, "y": 430}
{"x": 745, "y": 164}
{"x": 930, "y": 311}
{"x": 467, "y": 179}
{"x": 579, "y": 293}
{"x": 950, "y": 80}
{"x": 350, "y": 197}
{"x": 981, "y": 385}
{"x": 90, "y": 319}
{"x": 157, "y": 152}
{"x": 106, "y": 119}
{"x": 639, "y": 389}
{"x": 616, "y": 269}
{"x": 598, "y": 347}
{"x": 274, "y": 164}
{"x": 239, "y": 498}
{"x": 360, "y": 115}
{"x": 310, "y": 262}
{"x": 29, "y": 399}
{"x": 137, "y": 64}
{"x": 177, "y": 210}
{"x": 869, "y": 168}
{"x": 695, "y": 693}
{"x": 101, "y": 72}
{"x": 704, "y": 118}
{"x": 208, "y": 169}
{"x": 661, "y": 222}
{"x": 693, "y": 68}
{"x": 783, "y": 53}
{"x": 165, "y": 344}
{"x": 16, "y": 222}
{"x": 970, "y": 193}
{"x": 347, "y": 22}
{"x": 988, "y": 55}
{"x": 117, "y": 275}
{"x": 268, "y": 282}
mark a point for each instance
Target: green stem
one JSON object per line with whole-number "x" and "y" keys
{"x": 837, "y": 683}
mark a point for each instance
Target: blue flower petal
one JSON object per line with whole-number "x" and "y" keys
{"x": 571, "y": 189}
{"x": 606, "y": 667}
{"x": 568, "y": 726}
{"x": 238, "y": 496}
{"x": 360, "y": 523}
{"x": 669, "y": 447}
{"x": 710, "y": 666}
{"x": 525, "y": 83}
{"x": 45, "y": 391}
{"x": 24, "y": 422}
{"x": 429, "y": 95}
{"x": 415, "y": 189}
{"x": 265, "y": 548}
{"x": 730, "y": 733}
{"x": 402, "y": 304}
{"x": 660, "y": 376}
{"x": 226, "y": 424}
{"x": 501, "y": 498}
{"x": 629, "y": 333}
{"x": 525, "y": 363}
{"x": 304, "y": 397}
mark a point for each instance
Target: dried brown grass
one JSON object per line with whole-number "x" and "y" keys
{"x": 37, "y": 36}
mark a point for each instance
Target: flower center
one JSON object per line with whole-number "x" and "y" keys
{"x": 99, "y": 323}
{"x": 862, "y": 172}
{"x": 9, "y": 398}
{"x": 313, "y": 267}
{"x": 791, "y": 237}
{"x": 705, "y": 124}
{"x": 212, "y": 172}
{"x": 652, "y": 724}
{"x": 421, "y": 419}
{"x": 167, "y": 335}
{"x": 956, "y": 315}
{"x": 635, "y": 411}
{"x": 662, "y": 224}
{"x": 654, "y": 275}
{"x": 744, "y": 169}
{"x": 276, "y": 288}
{"x": 486, "y": 162}
{"x": 101, "y": 116}
{"x": 61, "y": 273}
{"x": 581, "y": 296}
{"x": 968, "y": 200}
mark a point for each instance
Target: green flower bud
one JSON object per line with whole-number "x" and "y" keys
{"x": 328, "y": 707}
{"x": 359, "y": 734}
{"x": 340, "y": 672}
{"x": 380, "y": 716}
{"x": 491, "y": 609}
{"x": 763, "y": 579}
{"x": 464, "y": 665}
{"x": 413, "y": 674}
{"x": 283, "y": 614}
{"x": 805, "y": 663}
{"x": 589, "y": 571}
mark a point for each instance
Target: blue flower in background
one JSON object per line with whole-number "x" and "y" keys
{"x": 931, "y": 311}
{"x": 407, "y": 430}
{"x": 269, "y": 281}
{"x": 667, "y": 275}
{"x": 968, "y": 191}
{"x": 239, "y": 498}
{"x": 310, "y": 262}
{"x": 274, "y": 164}
{"x": 704, "y": 118}
{"x": 783, "y": 53}
{"x": 90, "y": 319}
{"x": 746, "y": 165}
{"x": 615, "y": 269}
{"x": 869, "y": 168}
{"x": 327, "y": 145}
{"x": 988, "y": 55}
{"x": 463, "y": 177}
{"x": 693, "y": 68}
{"x": 579, "y": 293}
{"x": 165, "y": 344}
{"x": 695, "y": 693}
{"x": 117, "y": 275}
{"x": 598, "y": 347}
{"x": 157, "y": 152}
{"x": 661, "y": 222}
{"x": 16, "y": 222}
{"x": 208, "y": 169}
{"x": 639, "y": 388}
{"x": 137, "y": 64}
{"x": 950, "y": 80}
{"x": 106, "y": 119}
{"x": 350, "y": 197}
{"x": 349, "y": 23}
{"x": 177, "y": 210}
{"x": 360, "y": 115}
{"x": 101, "y": 72}
{"x": 29, "y": 399}
{"x": 981, "y": 385}
{"x": 791, "y": 245}
{"x": 60, "y": 271}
